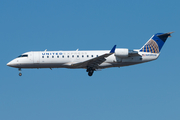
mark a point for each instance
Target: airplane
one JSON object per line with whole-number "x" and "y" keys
{"x": 92, "y": 60}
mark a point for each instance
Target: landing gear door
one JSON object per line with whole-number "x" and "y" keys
{"x": 36, "y": 56}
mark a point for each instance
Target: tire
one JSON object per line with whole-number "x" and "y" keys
{"x": 20, "y": 74}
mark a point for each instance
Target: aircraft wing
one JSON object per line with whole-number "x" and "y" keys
{"x": 95, "y": 62}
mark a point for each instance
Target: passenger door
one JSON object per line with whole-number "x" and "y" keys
{"x": 36, "y": 56}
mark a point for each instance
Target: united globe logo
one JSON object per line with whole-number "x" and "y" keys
{"x": 151, "y": 46}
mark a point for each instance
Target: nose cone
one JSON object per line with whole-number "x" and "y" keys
{"x": 9, "y": 64}
{"x": 12, "y": 63}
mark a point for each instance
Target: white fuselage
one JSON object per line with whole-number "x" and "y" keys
{"x": 66, "y": 59}
{"x": 92, "y": 60}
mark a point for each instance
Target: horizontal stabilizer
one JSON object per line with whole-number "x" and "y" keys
{"x": 166, "y": 34}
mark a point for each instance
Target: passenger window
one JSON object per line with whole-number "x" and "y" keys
{"x": 87, "y": 55}
{"x": 82, "y": 55}
{"x": 91, "y": 55}
{"x": 72, "y": 56}
{"x": 68, "y": 56}
{"x": 42, "y": 56}
{"x": 77, "y": 55}
{"x": 63, "y": 56}
{"x": 96, "y": 55}
{"x": 52, "y": 56}
{"x": 57, "y": 56}
{"x": 47, "y": 56}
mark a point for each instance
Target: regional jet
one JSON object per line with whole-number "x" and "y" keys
{"x": 92, "y": 60}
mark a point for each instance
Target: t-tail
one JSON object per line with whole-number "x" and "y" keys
{"x": 155, "y": 43}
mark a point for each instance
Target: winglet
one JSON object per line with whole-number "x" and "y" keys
{"x": 113, "y": 49}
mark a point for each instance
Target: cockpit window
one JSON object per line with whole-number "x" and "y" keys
{"x": 23, "y": 55}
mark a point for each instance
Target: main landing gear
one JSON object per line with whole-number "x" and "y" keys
{"x": 20, "y": 74}
{"x": 90, "y": 71}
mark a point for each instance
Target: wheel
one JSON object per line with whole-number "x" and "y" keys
{"x": 90, "y": 73}
{"x": 20, "y": 74}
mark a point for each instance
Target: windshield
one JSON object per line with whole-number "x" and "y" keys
{"x": 23, "y": 56}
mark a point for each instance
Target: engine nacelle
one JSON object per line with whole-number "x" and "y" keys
{"x": 122, "y": 52}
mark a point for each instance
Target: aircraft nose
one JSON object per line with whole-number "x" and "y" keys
{"x": 9, "y": 64}
{"x": 13, "y": 63}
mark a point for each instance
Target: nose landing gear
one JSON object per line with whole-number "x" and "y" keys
{"x": 20, "y": 74}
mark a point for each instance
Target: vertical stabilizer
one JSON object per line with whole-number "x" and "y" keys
{"x": 155, "y": 43}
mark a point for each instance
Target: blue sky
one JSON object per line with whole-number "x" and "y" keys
{"x": 140, "y": 92}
